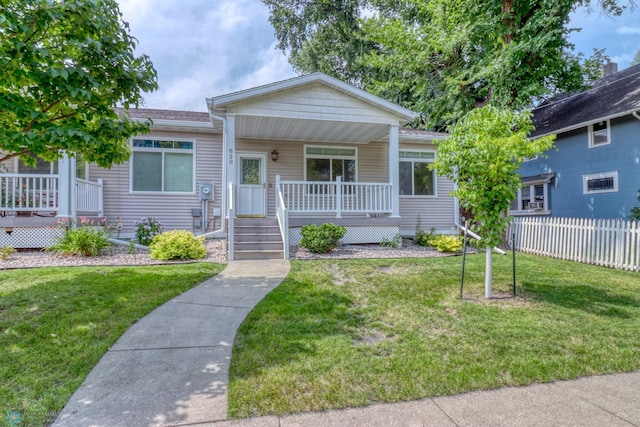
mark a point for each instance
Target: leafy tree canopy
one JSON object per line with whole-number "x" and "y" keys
{"x": 636, "y": 58}
{"x": 482, "y": 156}
{"x": 440, "y": 57}
{"x": 65, "y": 64}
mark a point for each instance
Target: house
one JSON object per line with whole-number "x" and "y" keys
{"x": 594, "y": 172}
{"x": 259, "y": 165}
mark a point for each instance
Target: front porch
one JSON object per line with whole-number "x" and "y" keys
{"x": 31, "y": 203}
{"x": 364, "y": 208}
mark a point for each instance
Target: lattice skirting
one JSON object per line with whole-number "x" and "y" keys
{"x": 30, "y": 237}
{"x": 356, "y": 234}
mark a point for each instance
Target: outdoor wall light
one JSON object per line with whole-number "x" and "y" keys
{"x": 274, "y": 155}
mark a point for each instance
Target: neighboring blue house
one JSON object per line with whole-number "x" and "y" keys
{"x": 595, "y": 171}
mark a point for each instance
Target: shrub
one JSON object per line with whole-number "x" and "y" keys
{"x": 82, "y": 241}
{"x": 446, "y": 243}
{"x": 146, "y": 229}
{"x": 391, "y": 243}
{"x": 177, "y": 244}
{"x": 6, "y": 252}
{"x": 423, "y": 238}
{"x": 321, "y": 239}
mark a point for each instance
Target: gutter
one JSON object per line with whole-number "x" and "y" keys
{"x": 587, "y": 123}
{"x": 222, "y": 231}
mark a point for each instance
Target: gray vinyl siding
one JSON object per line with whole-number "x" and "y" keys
{"x": 432, "y": 211}
{"x": 312, "y": 102}
{"x": 174, "y": 211}
{"x": 371, "y": 163}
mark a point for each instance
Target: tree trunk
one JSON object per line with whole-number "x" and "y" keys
{"x": 488, "y": 293}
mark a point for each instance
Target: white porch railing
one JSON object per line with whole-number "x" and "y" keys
{"x": 89, "y": 196}
{"x": 335, "y": 197}
{"x": 282, "y": 213}
{"x": 28, "y": 192}
{"x": 607, "y": 242}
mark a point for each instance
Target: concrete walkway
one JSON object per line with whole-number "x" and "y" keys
{"x": 171, "y": 368}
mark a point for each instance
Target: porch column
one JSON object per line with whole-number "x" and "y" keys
{"x": 394, "y": 170}
{"x": 230, "y": 155}
{"x": 66, "y": 186}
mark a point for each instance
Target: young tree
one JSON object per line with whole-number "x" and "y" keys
{"x": 636, "y": 58}
{"x": 64, "y": 65}
{"x": 482, "y": 156}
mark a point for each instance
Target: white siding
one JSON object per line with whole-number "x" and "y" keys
{"x": 317, "y": 102}
{"x": 174, "y": 211}
{"x": 434, "y": 212}
{"x": 371, "y": 164}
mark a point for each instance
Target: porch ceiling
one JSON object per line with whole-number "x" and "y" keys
{"x": 296, "y": 129}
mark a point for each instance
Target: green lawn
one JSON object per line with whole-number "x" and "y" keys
{"x": 349, "y": 333}
{"x": 56, "y": 323}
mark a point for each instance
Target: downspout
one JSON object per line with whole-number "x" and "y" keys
{"x": 221, "y": 232}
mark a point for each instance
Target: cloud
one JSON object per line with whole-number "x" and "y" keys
{"x": 626, "y": 29}
{"x": 203, "y": 48}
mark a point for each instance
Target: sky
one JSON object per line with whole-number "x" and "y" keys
{"x": 204, "y": 48}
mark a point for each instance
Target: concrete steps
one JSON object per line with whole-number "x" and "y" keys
{"x": 257, "y": 238}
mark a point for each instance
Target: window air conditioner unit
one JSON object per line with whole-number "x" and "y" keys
{"x": 535, "y": 205}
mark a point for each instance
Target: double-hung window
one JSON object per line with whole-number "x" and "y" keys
{"x": 162, "y": 166}
{"x": 325, "y": 164}
{"x": 533, "y": 197}
{"x": 599, "y": 134}
{"x": 416, "y": 177}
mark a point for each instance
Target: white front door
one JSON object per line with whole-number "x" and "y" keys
{"x": 252, "y": 188}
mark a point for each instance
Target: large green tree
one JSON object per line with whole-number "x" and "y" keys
{"x": 64, "y": 66}
{"x": 441, "y": 58}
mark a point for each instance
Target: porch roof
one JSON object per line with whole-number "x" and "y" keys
{"x": 310, "y": 108}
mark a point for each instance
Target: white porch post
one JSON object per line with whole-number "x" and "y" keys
{"x": 338, "y": 192}
{"x": 230, "y": 155}
{"x": 66, "y": 187}
{"x": 394, "y": 170}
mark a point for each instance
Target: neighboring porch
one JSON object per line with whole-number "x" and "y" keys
{"x": 30, "y": 204}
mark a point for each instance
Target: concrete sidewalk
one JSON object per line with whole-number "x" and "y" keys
{"x": 172, "y": 366}
{"x": 608, "y": 400}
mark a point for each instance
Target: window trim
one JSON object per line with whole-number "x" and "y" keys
{"x": 328, "y": 156}
{"x": 591, "y": 131}
{"x": 191, "y": 151}
{"x": 52, "y": 167}
{"x": 420, "y": 160}
{"x": 543, "y": 180}
{"x": 588, "y": 177}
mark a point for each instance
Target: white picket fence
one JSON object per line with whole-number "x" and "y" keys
{"x": 607, "y": 242}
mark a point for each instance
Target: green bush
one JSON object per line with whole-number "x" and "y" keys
{"x": 6, "y": 252}
{"x": 82, "y": 241}
{"x": 177, "y": 244}
{"x": 423, "y": 238}
{"x": 391, "y": 243}
{"x": 444, "y": 243}
{"x": 321, "y": 239}
{"x": 146, "y": 229}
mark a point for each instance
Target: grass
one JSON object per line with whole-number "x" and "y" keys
{"x": 56, "y": 323}
{"x": 350, "y": 333}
